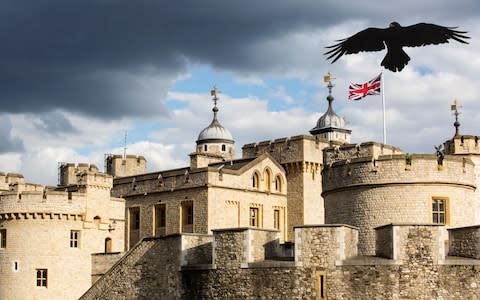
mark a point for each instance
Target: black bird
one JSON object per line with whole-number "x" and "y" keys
{"x": 395, "y": 37}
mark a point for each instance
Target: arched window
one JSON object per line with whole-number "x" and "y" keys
{"x": 255, "y": 180}
{"x": 267, "y": 178}
{"x": 278, "y": 184}
{"x": 108, "y": 245}
{"x": 96, "y": 221}
{"x": 205, "y": 148}
{"x": 224, "y": 148}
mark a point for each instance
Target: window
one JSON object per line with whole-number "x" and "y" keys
{"x": 278, "y": 184}
{"x": 135, "y": 218}
{"x": 160, "y": 215}
{"x": 188, "y": 213}
{"x": 108, "y": 245}
{"x": 205, "y": 148}
{"x": 268, "y": 179}
{"x": 321, "y": 285}
{"x": 224, "y": 148}
{"x": 255, "y": 180}
{"x": 15, "y": 266}
{"x": 3, "y": 238}
{"x": 276, "y": 219}
{"x": 97, "y": 220}
{"x": 42, "y": 277}
{"x": 187, "y": 216}
{"x": 254, "y": 218}
{"x": 74, "y": 238}
{"x": 439, "y": 211}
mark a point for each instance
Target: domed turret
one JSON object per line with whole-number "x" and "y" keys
{"x": 215, "y": 143}
{"x": 215, "y": 131}
{"x": 331, "y": 126}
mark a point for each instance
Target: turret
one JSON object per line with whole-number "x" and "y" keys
{"x": 215, "y": 143}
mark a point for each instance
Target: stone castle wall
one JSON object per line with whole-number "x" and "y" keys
{"x": 325, "y": 266}
{"x": 357, "y": 189}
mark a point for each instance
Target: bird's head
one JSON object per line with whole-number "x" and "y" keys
{"x": 394, "y": 24}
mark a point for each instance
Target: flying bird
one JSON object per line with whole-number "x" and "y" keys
{"x": 394, "y": 38}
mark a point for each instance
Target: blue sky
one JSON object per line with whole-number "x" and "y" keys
{"x": 76, "y": 77}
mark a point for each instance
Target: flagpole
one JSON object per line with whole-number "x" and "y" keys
{"x": 383, "y": 107}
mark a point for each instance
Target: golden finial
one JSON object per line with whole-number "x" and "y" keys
{"x": 214, "y": 91}
{"x": 328, "y": 77}
{"x": 454, "y": 105}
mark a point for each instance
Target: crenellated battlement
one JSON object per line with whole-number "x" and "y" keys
{"x": 119, "y": 166}
{"x": 289, "y": 149}
{"x": 352, "y": 171}
{"x": 10, "y": 179}
{"x": 46, "y": 201}
{"x": 160, "y": 181}
{"x": 353, "y": 151}
{"x": 83, "y": 174}
{"x": 463, "y": 144}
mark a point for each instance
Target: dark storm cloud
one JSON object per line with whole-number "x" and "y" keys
{"x": 90, "y": 56}
{"x": 8, "y": 143}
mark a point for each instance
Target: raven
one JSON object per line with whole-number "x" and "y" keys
{"x": 395, "y": 37}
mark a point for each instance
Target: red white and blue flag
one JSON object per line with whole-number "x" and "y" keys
{"x": 358, "y": 91}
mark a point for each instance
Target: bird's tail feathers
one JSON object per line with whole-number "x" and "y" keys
{"x": 395, "y": 60}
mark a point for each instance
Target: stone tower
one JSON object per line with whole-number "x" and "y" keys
{"x": 214, "y": 143}
{"x": 331, "y": 126}
{"x": 48, "y": 234}
{"x": 127, "y": 165}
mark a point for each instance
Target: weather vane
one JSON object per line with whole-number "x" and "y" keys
{"x": 213, "y": 93}
{"x": 454, "y": 107}
{"x": 328, "y": 78}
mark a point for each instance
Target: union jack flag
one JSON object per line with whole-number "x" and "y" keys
{"x": 358, "y": 91}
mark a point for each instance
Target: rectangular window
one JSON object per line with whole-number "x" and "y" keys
{"x": 135, "y": 218}
{"x": 160, "y": 215}
{"x": 187, "y": 213}
{"x": 3, "y": 238}
{"x": 276, "y": 219}
{"x": 321, "y": 285}
{"x": 439, "y": 211}
{"x": 254, "y": 218}
{"x": 74, "y": 238}
{"x": 42, "y": 277}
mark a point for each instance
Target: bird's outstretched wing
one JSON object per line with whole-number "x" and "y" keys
{"x": 370, "y": 39}
{"x": 423, "y": 34}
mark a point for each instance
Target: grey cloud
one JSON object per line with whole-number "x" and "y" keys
{"x": 54, "y": 123}
{"x": 8, "y": 142}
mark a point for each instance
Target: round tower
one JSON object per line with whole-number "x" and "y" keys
{"x": 331, "y": 126}
{"x": 367, "y": 190}
{"x": 215, "y": 143}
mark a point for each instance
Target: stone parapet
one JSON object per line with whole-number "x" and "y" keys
{"x": 43, "y": 202}
{"x": 324, "y": 245}
{"x": 289, "y": 149}
{"x": 370, "y": 150}
{"x": 464, "y": 242}
{"x": 354, "y": 172}
{"x": 237, "y": 247}
{"x": 165, "y": 181}
{"x": 394, "y": 241}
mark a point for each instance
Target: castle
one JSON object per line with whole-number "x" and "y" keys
{"x": 308, "y": 216}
